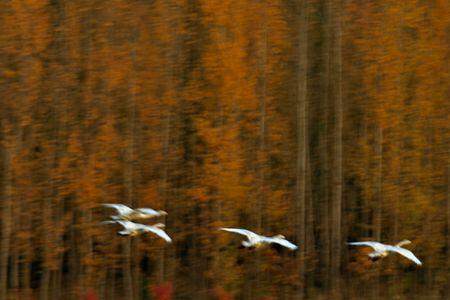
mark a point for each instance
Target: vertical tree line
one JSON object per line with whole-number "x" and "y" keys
{"x": 323, "y": 120}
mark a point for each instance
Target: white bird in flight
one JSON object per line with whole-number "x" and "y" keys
{"x": 132, "y": 229}
{"x": 255, "y": 240}
{"x": 128, "y": 214}
{"x": 382, "y": 250}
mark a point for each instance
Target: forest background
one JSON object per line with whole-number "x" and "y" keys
{"x": 324, "y": 120}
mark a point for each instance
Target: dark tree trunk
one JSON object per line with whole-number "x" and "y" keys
{"x": 302, "y": 141}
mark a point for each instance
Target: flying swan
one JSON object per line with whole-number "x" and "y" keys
{"x": 128, "y": 214}
{"x": 255, "y": 240}
{"x": 132, "y": 229}
{"x": 382, "y": 250}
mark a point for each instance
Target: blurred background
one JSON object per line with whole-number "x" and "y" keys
{"x": 323, "y": 120}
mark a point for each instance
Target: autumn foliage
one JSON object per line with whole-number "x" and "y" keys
{"x": 325, "y": 120}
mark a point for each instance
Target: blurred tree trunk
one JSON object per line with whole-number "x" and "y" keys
{"x": 302, "y": 140}
{"x": 73, "y": 256}
{"x": 127, "y": 241}
{"x": 26, "y": 205}
{"x": 45, "y": 278}
{"x": 170, "y": 14}
{"x": 262, "y": 121}
{"x": 47, "y": 221}
{"x": 6, "y": 217}
{"x": 337, "y": 155}
{"x": 130, "y": 184}
{"x": 15, "y": 228}
{"x": 448, "y": 222}
{"x": 325, "y": 216}
{"x": 165, "y": 182}
{"x": 62, "y": 108}
{"x": 131, "y": 269}
{"x": 28, "y": 251}
{"x": 173, "y": 16}
{"x": 378, "y": 198}
{"x": 262, "y": 94}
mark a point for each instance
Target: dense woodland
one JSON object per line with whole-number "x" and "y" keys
{"x": 324, "y": 120}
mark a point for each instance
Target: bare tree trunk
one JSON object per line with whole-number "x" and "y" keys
{"x": 48, "y": 238}
{"x": 174, "y": 17}
{"x": 262, "y": 125}
{"x": 324, "y": 160}
{"x": 45, "y": 282}
{"x": 127, "y": 267}
{"x": 74, "y": 266}
{"x": 378, "y": 197}
{"x": 26, "y": 206}
{"x": 14, "y": 244}
{"x": 165, "y": 182}
{"x": 127, "y": 262}
{"x": 302, "y": 141}
{"x": 337, "y": 155}
{"x": 26, "y": 263}
{"x": 110, "y": 285}
{"x": 379, "y": 181}
{"x": 130, "y": 288}
{"x": 262, "y": 142}
{"x": 6, "y": 220}
{"x": 171, "y": 87}
{"x": 89, "y": 249}
{"x": 448, "y": 222}
{"x": 310, "y": 238}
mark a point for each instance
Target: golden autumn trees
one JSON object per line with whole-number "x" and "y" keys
{"x": 323, "y": 120}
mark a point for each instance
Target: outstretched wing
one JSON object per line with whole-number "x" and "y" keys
{"x": 121, "y": 209}
{"x": 375, "y": 245}
{"x": 149, "y": 211}
{"x": 284, "y": 243}
{"x": 406, "y": 253}
{"x": 161, "y": 233}
{"x": 128, "y": 225}
{"x": 250, "y": 235}
{"x": 108, "y": 222}
{"x": 125, "y": 224}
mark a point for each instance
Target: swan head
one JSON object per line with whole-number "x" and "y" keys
{"x": 404, "y": 242}
{"x": 279, "y": 236}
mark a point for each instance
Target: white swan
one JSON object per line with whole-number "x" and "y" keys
{"x": 128, "y": 214}
{"x": 255, "y": 240}
{"x": 132, "y": 229}
{"x": 382, "y": 250}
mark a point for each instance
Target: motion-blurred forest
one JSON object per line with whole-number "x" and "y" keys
{"x": 324, "y": 120}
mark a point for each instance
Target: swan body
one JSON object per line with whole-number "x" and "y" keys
{"x": 382, "y": 250}
{"x": 256, "y": 241}
{"x": 133, "y": 229}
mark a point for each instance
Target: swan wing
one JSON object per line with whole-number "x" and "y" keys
{"x": 149, "y": 211}
{"x": 284, "y": 243}
{"x": 375, "y": 245}
{"x": 121, "y": 209}
{"x": 108, "y": 222}
{"x": 128, "y": 225}
{"x": 250, "y": 235}
{"x": 159, "y": 232}
{"x": 125, "y": 224}
{"x": 406, "y": 253}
